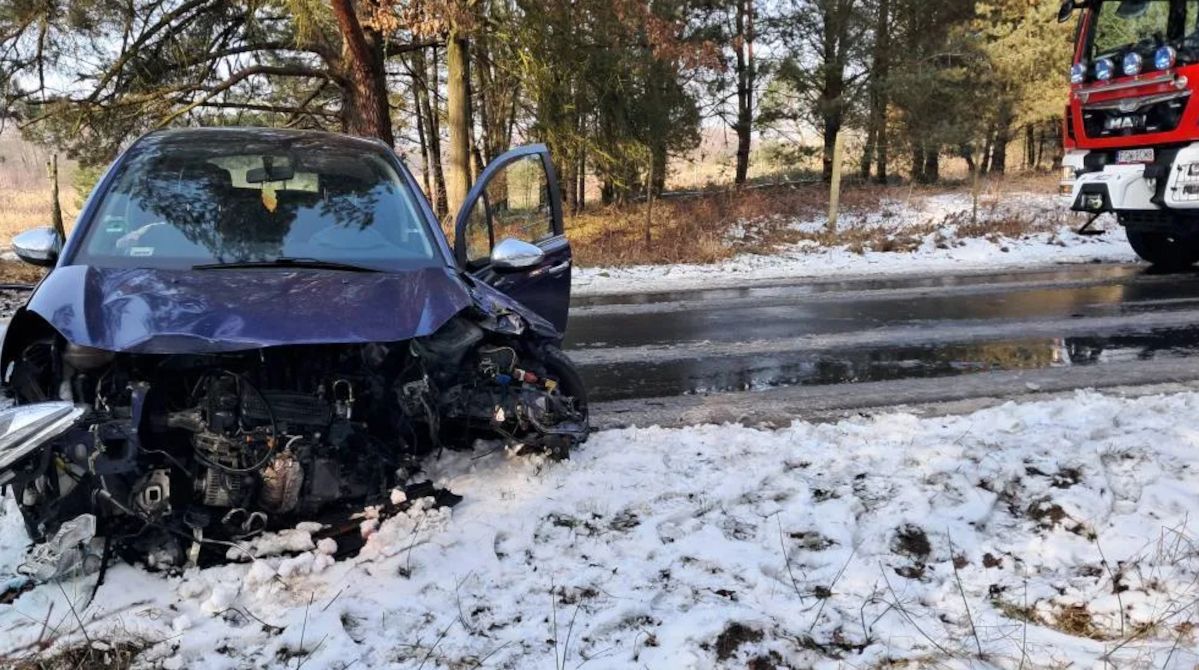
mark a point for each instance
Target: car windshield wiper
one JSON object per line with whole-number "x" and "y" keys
{"x": 285, "y": 262}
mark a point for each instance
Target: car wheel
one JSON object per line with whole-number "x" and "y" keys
{"x": 559, "y": 365}
{"x": 1164, "y": 250}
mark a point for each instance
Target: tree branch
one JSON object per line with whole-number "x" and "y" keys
{"x": 276, "y": 109}
{"x": 240, "y": 76}
{"x": 168, "y": 20}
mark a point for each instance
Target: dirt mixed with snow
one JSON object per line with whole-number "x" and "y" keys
{"x": 1049, "y": 534}
{"x": 922, "y": 234}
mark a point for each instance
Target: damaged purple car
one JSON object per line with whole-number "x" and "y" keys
{"x": 253, "y": 327}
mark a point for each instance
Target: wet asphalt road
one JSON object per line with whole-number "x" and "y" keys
{"x": 873, "y": 330}
{"x": 903, "y": 338}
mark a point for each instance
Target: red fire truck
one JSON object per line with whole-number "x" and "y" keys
{"x": 1132, "y": 127}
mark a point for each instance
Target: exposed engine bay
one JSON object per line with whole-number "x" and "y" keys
{"x": 174, "y": 457}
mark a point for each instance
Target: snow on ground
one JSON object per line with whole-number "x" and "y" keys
{"x": 940, "y": 250}
{"x": 1029, "y": 535}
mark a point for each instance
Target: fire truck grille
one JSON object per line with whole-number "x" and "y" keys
{"x": 1152, "y": 116}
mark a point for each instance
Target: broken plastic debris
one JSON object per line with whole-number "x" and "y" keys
{"x": 65, "y": 553}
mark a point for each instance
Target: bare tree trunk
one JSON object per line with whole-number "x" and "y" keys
{"x": 482, "y": 95}
{"x": 881, "y": 150}
{"x": 932, "y": 165}
{"x": 649, "y": 203}
{"x": 1030, "y": 146}
{"x": 426, "y": 95}
{"x": 745, "y": 87}
{"x": 570, "y": 170}
{"x": 55, "y": 205}
{"x": 458, "y": 114}
{"x": 917, "y": 162}
{"x": 868, "y": 153}
{"x": 878, "y": 88}
{"x": 967, "y": 153}
{"x": 570, "y": 187}
{"x": 424, "y": 144}
{"x": 478, "y": 164}
{"x": 1040, "y": 148}
{"x": 1003, "y": 136}
{"x": 367, "y": 112}
{"x": 657, "y": 169}
{"x": 834, "y": 54}
{"x": 582, "y": 172}
{"x": 985, "y": 168}
{"x": 832, "y": 126}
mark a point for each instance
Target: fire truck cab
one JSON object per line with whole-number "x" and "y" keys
{"x": 1132, "y": 126}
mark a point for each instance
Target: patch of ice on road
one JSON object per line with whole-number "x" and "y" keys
{"x": 1045, "y": 534}
{"x": 939, "y": 251}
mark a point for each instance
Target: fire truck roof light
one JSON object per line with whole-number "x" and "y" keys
{"x": 1165, "y": 58}
{"x": 1105, "y": 69}
{"x": 1078, "y": 73}
{"x": 1133, "y": 63}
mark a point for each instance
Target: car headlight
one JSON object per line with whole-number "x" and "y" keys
{"x": 23, "y": 429}
{"x": 1068, "y": 173}
{"x": 1105, "y": 69}
{"x": 1133, "y": 63}
{"x": 1165, "y": 58}
{"x": 1078, "y": 73}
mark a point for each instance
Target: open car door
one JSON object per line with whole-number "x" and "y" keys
{"x": 509, "y": 233}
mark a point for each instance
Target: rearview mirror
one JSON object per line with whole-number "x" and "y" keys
{"x": 271, "y": 173}
{"x": 513, "y": 254}
{"x": 1132, "y": 9}
{"x": 1067, "y": 10}
{"x": 39, "y": 246}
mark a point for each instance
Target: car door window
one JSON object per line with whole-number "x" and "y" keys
{"x": 516, "y": 204}
{"x": 478, "y": 233}
{"x": 519, "y": 201}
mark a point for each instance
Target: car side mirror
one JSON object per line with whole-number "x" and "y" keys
{"x": 513, "y": 254}
{"x": 39, "y": 246}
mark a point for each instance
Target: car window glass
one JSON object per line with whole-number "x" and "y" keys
{"x": 177, "y": 206}
{"x": 1125, "y": 25}
{"x": 477, "y": 236}
{"x": 519, "y": 201}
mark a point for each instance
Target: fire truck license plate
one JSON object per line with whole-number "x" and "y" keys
{"x": 1134, "y": 156}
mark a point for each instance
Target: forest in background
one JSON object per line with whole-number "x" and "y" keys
{"x": 616, "y": 88}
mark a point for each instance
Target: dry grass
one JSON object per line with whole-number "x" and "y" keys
{"x": 16, "y": 272}
{"x": 97, "y": 656}
{"x": 25, "y": 187}
{"x": 697, "y": 229}
{"x": 21, "y": 210}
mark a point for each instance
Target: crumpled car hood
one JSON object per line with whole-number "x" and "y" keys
{"x": 185, "y": 311}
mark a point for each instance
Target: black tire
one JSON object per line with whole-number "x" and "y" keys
{"x": 1164, "y": 250}
{"x": 559, "y": 365}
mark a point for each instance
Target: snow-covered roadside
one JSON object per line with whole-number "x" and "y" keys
{"x": 939, "y": 251}
{"x": 1044, "y": 534}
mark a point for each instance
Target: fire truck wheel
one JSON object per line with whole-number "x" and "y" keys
{"x": 1164, "y": 250}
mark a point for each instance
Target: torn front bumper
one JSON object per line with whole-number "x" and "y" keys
{"x": 25, "y": 428}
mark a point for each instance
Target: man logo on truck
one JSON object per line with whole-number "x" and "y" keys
{"x": 1124, "y": 122}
